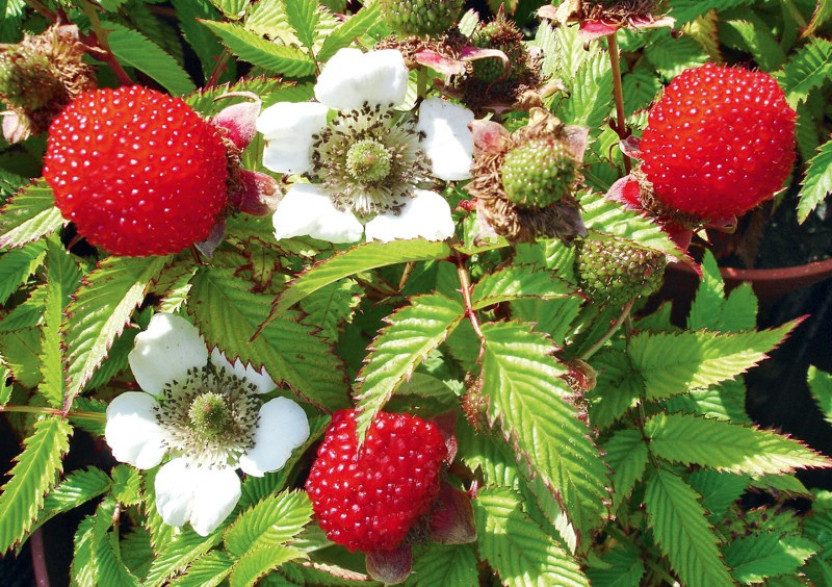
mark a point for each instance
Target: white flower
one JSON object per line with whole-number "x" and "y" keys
{"x": 208, "y": 414}
{"x": 367, "y": 162}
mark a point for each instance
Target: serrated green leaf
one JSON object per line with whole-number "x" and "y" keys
{"x": 488, "y": 455}
{"x": 288, "y": 61}
{"x": 101, "y": 308}
{"x": 758, "y": 557}
{"x": 817, "y": 183}
{"x": 553, "y": 317}
{"x": 228, "y": 315}
{"x": 591, "y": 95}
{"x": 673, "y": 363}
{"x": 412, "y": 333}
{"x": 750, "y": 34}
{"x": 686, "y": 10}
{"x": 807, "y": 70}
{"x": 136, "y": 552}
{"x": 517, "y": 282}
{"x": 820, "y": 385}
{"x": 134, "y": 49}
{"x": 823, "y": 12}
{"x": 304, "y": 16}
{"x": 331, "y": 306}
{"x": 627, "y": 456}
{"x": 32, "y": 476}
{"x": 256, "y": 563}
{"x": 623, "y": 568}
{"x": 641, "y": 86}
{"x": 522, "y": 383}
{"x": 231, "y": 9}
{"x": 618, "y": 387}
{"x": 551, "y": 254}
{"x": 356, "y": 260}
{"x": 28, "y": 314}
{"x": 355, "y": 27}
{"x": 207, "y": 571}
{"x": 205, "y": 45}
{"x": 177, "y": 555}
{"x": 711, "y": 311}
{"x": 271, "y": 522}
{"x": 17, "y": 265}
{"x": 521, "y": 553}
{"x": 29, "y": 215}
{"x": 683, "y": 438}
{"x": 77, "y": 488}
{"x": 682, "y": 531}
{"x": 127, "y": 485}
{"x": 21, "y": 351}
{"x": 94, "y": 561}
{"x": 718, "y": 489}
{"x": 671, "y": 56}
{"x": 445, "y": 565}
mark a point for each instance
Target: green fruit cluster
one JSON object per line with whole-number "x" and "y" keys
{"x": 503, "y": 36}
{"x": 421, "y": 17}
{"x": 613, "y": 273}
{"x": 538, "y": 173}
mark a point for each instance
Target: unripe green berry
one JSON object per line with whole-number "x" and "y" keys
{"x": 538, "y": 173}
{"x": 613, "y": 273}
{"x": 421, "y": 17}
{"x": 502, "y": 35}
{"x": 27, "y": 79}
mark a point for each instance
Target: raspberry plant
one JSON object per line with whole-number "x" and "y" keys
{"x": 510, "y": 406}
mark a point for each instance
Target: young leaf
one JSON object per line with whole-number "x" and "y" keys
{"x": 228, "y": 314}
{"x": 687, "y": 439}
{"x": 522, "y": 384}
{"x": 820, "y": 385}
{"x": 817, "y": 184}
{"x": 412, "y": 333}
{"x": 807, "y": 70}
{"x": 304, "y": 16}
{"x": 17, "y": 265}
{"x": 521, "y": 553}
{"x": 94, "y": 561}
{"x": 682, "y": 531}
{"x": 272, "y": 522}
{"x": 674, "y": 363}
{"x": 758, "y": 557}
{"x": 256, "y": 563}
{"x": 177, "y": 555}
{"x": 207, "y": 571}
{"x": 517, "y": 282}
{"x": 32, "y": 476}
{"x": 29, "y": 215}
{"x": 99, "y": 311}
{"x": 134, "y": 49}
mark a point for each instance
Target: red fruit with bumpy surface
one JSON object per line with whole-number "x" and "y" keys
{"x": 137, "y": 171}
{"x": 369, "y": 500}
{"x": 719, "y": 141}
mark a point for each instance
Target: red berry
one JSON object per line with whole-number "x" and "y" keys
{"x": 369, "y": 500}
{"x": 719, "y": 141}
{"x": 137, "y": 171}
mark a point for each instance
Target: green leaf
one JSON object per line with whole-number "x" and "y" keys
{"x": 304, "y": 16}
{"x": 823, "y": 12}
{"x": 719, "y": 490}
{"x": 671, "y": 56}
{"x": 553, "y": 317}
{"x": 32, "y": 476}
{"x": 331, "y": 306}
{"x": 412, "y": 333}
{"x": 228, "y": 313}
{"x": 673, "y": 363}
{"x": 817, "y": 184}
{"x": 28, "y": 314}
{"x": 641, "y": 86}
{"x": 820, "y": 385}
{"x": 751, "y": 35}
{"x": 445, "y": 565}
{"x": 682, "y": 531}
{"x": 518, "y": 282}
{"x": 521, "y": 553}
{"x": 29, "y": 215}
{"x": 807, "y": 70}
{"x": 619, "y": 387}
{"x": 231, "y": 9}
{"x": 127, "y": 485}
{"x": 272, "y": 522}
{"x": 356, "y": 260}
{"x": 17, "y": 265}
{"x": 134, "y": 49}
{"x": 288, "y": 61}
{"x": 711, "y": 311}
{"x": 356, "y": 26}
{"x": 623, "y": 568}
{"x": 687, "y": 439}
{"x": 626, "y": 454}
{"x": 177, "y": 555}
{"x": 76, "y": 489}
{"x": 205, "y": 45}
{"x": 591, "y": 97}
{"x": 758, "y": 557}
{"x": 207, "y": 571}
{"x": 101, "y": 308}
{"x": 256, "y": 563}
{"x": 95, "y": 562}
{"x": 687, "y": 10}
{"x": 522, "y": 384}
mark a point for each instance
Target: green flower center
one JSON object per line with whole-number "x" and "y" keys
{"x": 209, "y": 415}
{"x": 368, "y": 161}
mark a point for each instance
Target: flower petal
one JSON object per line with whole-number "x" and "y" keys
{"x": 283, "y": 427}
{"x": 352, "y": 78}
{"x": 260, "y": 379}
{"x": 288, "y": 128}
{"x": 132, "y": 431}
{"x": 428, "y": 215}
{"x": 448, "y": 140}
{"x": 174, "y": 491}
{"x": 306, "y": 210}
{"x": 165, "y": 351}
{"x": 215, "y": 494}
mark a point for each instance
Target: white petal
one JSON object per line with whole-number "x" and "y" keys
{"x": 215, "y": 494}
{"x": 428, "y": 215}
{"x": 448, "y": 140}
{"x": 262, "y": 381}
{"x": 174, "y": 485}
{"x": 288, "y": 128}
{"x": 283, "y": 427}
{"x": 352, "y": 78}
{"x": 306, "y": 210}
{"x": 165, "y": 351}
{"x": 132, "y": 431}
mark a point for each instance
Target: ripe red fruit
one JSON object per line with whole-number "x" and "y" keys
{"x": 719, "y": 141}
{"x": 369, "y": 500}
{"x": 137, "y": 171}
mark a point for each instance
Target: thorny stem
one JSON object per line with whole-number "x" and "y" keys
{"x": 618, "y": 90}
{"x": 465, "y": 282}
{"x": 625, "y": 312}
{"x": 55, "y": 412}
{"x": 101, "y": 38}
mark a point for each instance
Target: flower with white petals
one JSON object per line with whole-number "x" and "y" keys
{"x": 205, "y": 412}
{"x": 367, "y": 161}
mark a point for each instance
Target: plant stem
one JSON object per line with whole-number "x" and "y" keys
{"x": 39, "y": 558}
{"x": 421, "y": 83}
{"x": 465, "y": 282}
{"x": 41, "y": 8}
{"x": 625, "y": 312}
{"x": 219, "y": 67}
{"x": 618, "y": 90}
{"x": 103, "y": 45}
{"x": 55, "y": 412}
